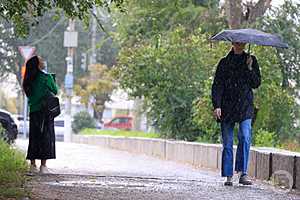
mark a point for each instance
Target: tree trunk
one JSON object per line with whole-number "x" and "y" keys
{"x": 239, "y": 14}
{"x": 258, "y": 10}
{"x": 234, "y": 13}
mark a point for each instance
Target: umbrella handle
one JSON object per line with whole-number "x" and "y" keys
{"x": 249, "y": 48}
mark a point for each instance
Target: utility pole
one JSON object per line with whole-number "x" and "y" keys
{"x": 93, "y": 55}
{"x": 93, "y": 40}
{"x": 70, "y": 41}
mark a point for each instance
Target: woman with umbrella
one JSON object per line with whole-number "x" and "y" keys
{"x": 236, "y": 76}
{"x": 37, "y": 85}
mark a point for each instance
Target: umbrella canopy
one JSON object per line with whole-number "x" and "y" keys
{"x": 251, "y": 36}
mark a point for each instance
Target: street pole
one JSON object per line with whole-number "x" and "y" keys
{"x": 70, "y": 41}
{"x": 93, "y": 55}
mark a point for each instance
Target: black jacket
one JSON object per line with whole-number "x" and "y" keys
{"x": 232, "y": 87}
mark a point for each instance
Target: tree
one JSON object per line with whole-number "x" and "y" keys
{"x": 163, "y": 61}
{"x": 7, "y": 53}
{"x": 98, "y": 85}
{"x": 81, "y": 121}
{"x": 242, "y": 14}
{"x": 47, "y": 37}
{"x": 169, "y": 77}
{"x": 24, "y": 13}
{"x": 285, "y": 22}
{"x": 148, "y": 19}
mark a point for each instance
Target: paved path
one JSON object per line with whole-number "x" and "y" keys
{"x": 84, "y": 172}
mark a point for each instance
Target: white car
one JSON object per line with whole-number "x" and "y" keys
{"x": 19, "y": 119}
{"x": 59, "y": 126}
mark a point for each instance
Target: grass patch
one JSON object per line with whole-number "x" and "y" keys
{"x": 119, "y": 133}
{"x": 12, "y": 169}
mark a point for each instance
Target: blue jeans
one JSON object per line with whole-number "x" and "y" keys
{"x": 243, "y": 148}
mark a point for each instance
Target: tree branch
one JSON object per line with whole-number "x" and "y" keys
{"x": 259, "y": 10}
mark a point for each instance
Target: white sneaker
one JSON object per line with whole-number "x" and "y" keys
{"x": 44, "y": 170}
{"x": 33, "y": 169}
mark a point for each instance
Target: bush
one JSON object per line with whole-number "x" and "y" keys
{"x": 204, "y": 119}
{"x": 2, "y": 132}
{"x": 82, "y": 120}
{"x": 264, "y": 138}
{"x": 5, "y": 135}
{"x": 12, "y": 169}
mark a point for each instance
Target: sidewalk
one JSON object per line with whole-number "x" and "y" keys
{"x": 90, "y": 172}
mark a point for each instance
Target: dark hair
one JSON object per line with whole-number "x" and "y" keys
{"x": 32, "y": 69}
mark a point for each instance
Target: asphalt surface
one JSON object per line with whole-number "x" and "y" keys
{"x": 84, "y": 172}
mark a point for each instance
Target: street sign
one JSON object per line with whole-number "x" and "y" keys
{"x": 69, "y": 81}
{"x": 70, "y": 39}
{"x": 26, "y": 51}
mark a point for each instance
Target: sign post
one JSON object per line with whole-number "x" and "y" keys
{"x": 26, "y": 52}
{"x": 71, "y": 42}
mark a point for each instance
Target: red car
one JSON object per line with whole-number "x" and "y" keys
{"x": 120, "y": 122}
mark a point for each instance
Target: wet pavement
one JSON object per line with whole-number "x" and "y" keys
{"x": 88, "y": 172}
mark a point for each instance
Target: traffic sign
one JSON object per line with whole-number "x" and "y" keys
{"x": 26, "y": 51}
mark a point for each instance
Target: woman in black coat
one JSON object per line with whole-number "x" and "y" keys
{"x": 237, "y": 74}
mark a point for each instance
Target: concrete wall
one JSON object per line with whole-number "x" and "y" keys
{"x": 281, "y": 166}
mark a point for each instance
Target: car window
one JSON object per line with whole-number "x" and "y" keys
{"x": 116, "y": 120}
{"x": 123, "y": 120}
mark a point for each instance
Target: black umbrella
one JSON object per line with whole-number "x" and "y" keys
{"x": 250, "y": 36}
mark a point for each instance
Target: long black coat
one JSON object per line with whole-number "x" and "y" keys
{"x": 232, "y": 87}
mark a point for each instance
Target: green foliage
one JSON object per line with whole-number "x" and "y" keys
{"x": 284, "y": 21}
{"x": 264, "y": 138}
{"x": 47, "y": 37}
{"x": 119, "y": 133}
{"x": 1, "y": 130}
{"x": 203, "y": 117}
{"x": 24, "y": 13}
{"x": 151, "y": 19}
{"x": 7, "y": 55}
{"x": 165, "y": 59}
{"x": 276, "y": 111}
{"x": 170, "y": 78}
{"x": 12, "y": 169}
{"x": 82, "y": 120}
{"x": 98, "y": 84}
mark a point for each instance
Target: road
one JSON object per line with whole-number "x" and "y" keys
{"x": 90, "y": 172}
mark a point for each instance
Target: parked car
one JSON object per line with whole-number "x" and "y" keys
{"x": 59, "y": 126}
{"x": 119, "y": 122}
{"x": 10, "y": 127}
